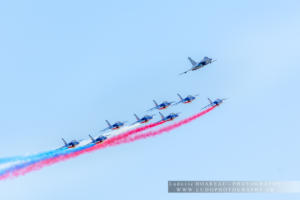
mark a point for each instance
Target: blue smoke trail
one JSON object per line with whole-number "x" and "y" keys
{"x": 11, "y": 159}
{"x": 43, "y": 156}
{"x": 27, "y": 157}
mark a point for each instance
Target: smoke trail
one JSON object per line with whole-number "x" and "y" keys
{"x": 120, "y": 139}
{"x": 37, "y": 158}
{"x": 5, "y": 173}
{"x": 164, "y": 129}
{"x": 30, "y": 160}
{"x": 13, "y": 162}
{"x": 26, "y": 157}
{"x": 9, "y": 161}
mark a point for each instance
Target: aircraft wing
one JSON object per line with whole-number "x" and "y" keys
{"x": 174, "y": 104}
{"x": 194, "y": 63}
{"x": 105, "y": 129}
{"x": 151, "y": 109}
{"x": 107, "y": 134}
{"x": 136, "y": 122}
{"x": 185, "y": 72}
{"x": 206, "y": 106}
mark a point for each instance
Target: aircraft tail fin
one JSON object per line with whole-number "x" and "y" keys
{"x": 137, "y": 118}
{"x": 109, "y": 125}
{"x": 156, "y": 104}
{"x": 92, "y": 138}
{"x": 194, "y": 63}
{"x": 180, "y": 97}
{"x": 162, "y": 116}
{"x": 210, "y": 101}
{"x": 64, "y": 141}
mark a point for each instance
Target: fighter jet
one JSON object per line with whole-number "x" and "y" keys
{"x": 98, "y": 140}
{"x": 170, "y": 117}
{"x": 216, "y": 102}
{"x": 144, "y": 119}
{"x": 115, "y": 126}
{"x": 197, "y": 65}
{"x": 71, "y": 144}
{"x": 161, "y": 106}
{"x": 187, "y": 99}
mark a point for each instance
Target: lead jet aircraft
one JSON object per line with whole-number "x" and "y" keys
{"x": 115, "y": 126}
{"x": 197, "y": 65}
{"x": 71, "y": 144}
{"x": 144, "y": 119}
{"x": 98, "y": 140}
{"x": 169, "y": 117}
{"x": 161, "y": 106}
{"x": 187, "y": 99}
{"x": 216, "y": 102}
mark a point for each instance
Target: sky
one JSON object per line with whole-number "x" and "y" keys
{"x": 66, "y": 66}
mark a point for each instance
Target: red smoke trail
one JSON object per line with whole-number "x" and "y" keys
{"x": 50, "y": 161}
{"x": 120, "y": 139}
{"x": 137, "y": 130}
{"x": 164, "y": 129}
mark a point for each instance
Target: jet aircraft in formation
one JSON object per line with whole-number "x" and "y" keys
{"x": 144, "y": 119}
{"x": 114, "y": 126}
{"x": 71, "y": 144}
{"x": 169, "y": 117}
{"x": 197, "y": 65}
{"x": 187, "y": 99}
{"x": 98, "y": 140}
{"x": 216, "y": 102}
{"x": 164, "y": 105}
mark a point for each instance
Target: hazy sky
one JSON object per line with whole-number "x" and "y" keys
{"x": 66, "y": 66}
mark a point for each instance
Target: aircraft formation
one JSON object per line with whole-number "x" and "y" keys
{"x": 157, "y": 107}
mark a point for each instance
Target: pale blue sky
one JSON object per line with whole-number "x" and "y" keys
{"x": 66, "y": 66}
